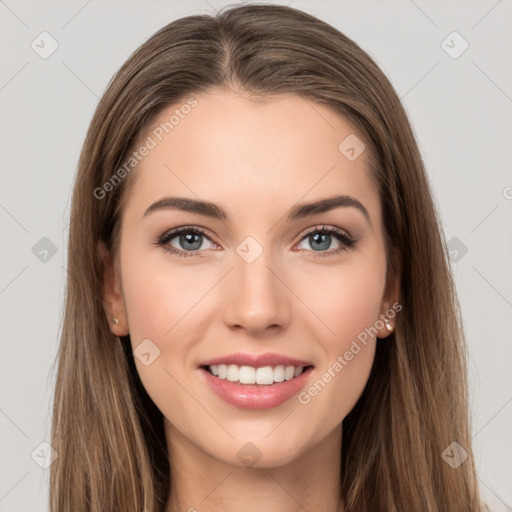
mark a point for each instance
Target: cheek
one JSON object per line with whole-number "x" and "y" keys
{"x": 159, "y": 297}
{"x": 349, "y": 354}
{"x": 347, "y": 301}
{"x": 160, "y": 308}
{"x": 337, "y": 386}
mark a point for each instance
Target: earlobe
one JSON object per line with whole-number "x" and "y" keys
{"x": 118, "y": 327}
{"x": 113, "y": 300}
{"x": 389, "y": 309}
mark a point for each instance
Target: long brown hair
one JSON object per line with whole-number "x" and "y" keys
{"x": 108, "y": 434}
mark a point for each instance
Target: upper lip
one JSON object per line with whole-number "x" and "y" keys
{"x": 256, "y": 360}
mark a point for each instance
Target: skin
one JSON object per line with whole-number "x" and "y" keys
{"x": 256, "y": 159}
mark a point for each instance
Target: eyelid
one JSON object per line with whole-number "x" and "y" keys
{"x": 325, "y": 227}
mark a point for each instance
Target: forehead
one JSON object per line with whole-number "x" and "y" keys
{"x": 252, "y": 155}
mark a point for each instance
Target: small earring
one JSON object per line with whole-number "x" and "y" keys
{"x": 113, "y": 319}
{"x": 388, "y": 325}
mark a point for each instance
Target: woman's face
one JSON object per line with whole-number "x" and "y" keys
{"x": 255, "y": 280}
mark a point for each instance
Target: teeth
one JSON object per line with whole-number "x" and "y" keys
{"x": 249, "y": 375}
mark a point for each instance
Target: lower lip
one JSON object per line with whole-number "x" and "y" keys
{"x": 249, "y": 396}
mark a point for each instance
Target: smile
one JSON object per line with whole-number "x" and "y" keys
{"x": 265, "y": 394}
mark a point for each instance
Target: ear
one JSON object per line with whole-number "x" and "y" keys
{"x": 390, "y": 305}
{"x": 113, "y": 300}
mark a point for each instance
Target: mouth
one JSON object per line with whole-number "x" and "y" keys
{"x": 256, "y": 387}
{"x": 255, "y": 376}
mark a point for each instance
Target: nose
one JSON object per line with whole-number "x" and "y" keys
{"x": 257, "y": 298}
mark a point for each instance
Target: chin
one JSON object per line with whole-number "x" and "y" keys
{"x": 260, "y": 453}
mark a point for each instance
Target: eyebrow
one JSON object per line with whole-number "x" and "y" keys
{"x": 299, "y": 211}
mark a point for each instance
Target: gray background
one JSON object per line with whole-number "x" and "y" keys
{"x": 460, "y": 109}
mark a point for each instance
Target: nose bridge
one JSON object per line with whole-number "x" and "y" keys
{"x": 256, "y": 297}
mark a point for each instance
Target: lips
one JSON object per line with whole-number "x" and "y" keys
{"x": 257, "y": 360}
{"x": 256, "y": 397}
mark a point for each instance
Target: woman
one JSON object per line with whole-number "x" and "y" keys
{"x": 259, "y": 312}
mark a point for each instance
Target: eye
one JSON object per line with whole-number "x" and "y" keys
{"x": 189, "y": 240}
{"x": 321, "y": 238}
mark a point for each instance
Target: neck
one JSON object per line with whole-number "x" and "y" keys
{"x": 201, "y": 482}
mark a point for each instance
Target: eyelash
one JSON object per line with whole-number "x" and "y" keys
{"x": 342, "y": 236}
